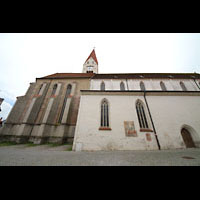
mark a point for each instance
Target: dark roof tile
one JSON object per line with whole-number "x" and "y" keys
{"x": 68, "y": 75}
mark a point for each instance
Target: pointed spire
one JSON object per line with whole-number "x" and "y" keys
{"x": 93, "y": 55}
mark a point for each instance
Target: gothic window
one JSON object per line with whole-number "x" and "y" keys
{"x": 69, "y": 87}
{"x": 54, "y": 89}
{"x": 142, "y": 86}
{"x": 141, "y": 115}
{"x": 104, "y": 113}
{"x": 102, "y": 86}
{"x": 183, "y": 86}
{"x": 122, "y": 87}
{"x": 162, "y": 85}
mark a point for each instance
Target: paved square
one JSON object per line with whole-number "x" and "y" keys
{"x": 46, "y": 155}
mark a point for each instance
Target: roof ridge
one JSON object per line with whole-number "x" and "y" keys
{"x": 145, "y": 73}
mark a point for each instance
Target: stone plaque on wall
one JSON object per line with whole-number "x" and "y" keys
{"x": 130, "y": 128}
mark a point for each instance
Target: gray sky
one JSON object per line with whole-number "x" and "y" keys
{"x": 26, "y": 56}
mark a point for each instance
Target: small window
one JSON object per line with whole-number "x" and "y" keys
{"x": 54, "y": 89}
{"x": 90, "y": 68}
{"x": 122, "y": 87}
{"x": 141, "y": 115}
{"x": 104, "y": 113}
{"x": 162, "y": 85}
{"x": 102, "y": 86}
{"x": 142, "y": 86}
{"x": 183, "y": 86}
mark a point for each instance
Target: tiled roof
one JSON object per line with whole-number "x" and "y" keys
{"x": 123, "y": 76}
{"x": 93, "y": 55}
{"x": 68, "y": 75}
{"x": 147, "y": 75}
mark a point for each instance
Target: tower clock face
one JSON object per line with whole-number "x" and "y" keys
{"x": 90, "y": 68}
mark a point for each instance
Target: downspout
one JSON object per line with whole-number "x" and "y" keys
{"x": 152, "y": 121}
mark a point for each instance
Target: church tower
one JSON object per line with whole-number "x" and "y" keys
{"x": 91, "y": 64}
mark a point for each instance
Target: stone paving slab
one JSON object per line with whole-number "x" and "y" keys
{"x": 46, "y": 155}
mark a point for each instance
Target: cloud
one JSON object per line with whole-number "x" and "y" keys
{"x": 8, "y": 97}
{"x": 6, "y": 106}
{"x": 5, "y": 109}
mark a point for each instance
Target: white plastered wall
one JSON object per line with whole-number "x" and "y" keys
{"x": 150, "y": 84}
{"x": 122, "y": 108}
{"x": 169, "y": 113}
{"x": 90, "y": 62}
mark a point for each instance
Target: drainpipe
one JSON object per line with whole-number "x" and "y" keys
{"x": 152, "y": 121}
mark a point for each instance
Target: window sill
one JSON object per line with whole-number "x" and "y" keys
{"x": 105, "y": 129}
{"x": 145, "y": 130}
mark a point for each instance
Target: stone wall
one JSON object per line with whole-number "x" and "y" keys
{"x": 34, "y": 117}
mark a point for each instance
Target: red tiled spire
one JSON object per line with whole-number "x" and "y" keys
{"x": 93, "y": 55}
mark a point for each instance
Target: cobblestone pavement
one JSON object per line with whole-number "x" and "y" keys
{"x": 45, "y": 155}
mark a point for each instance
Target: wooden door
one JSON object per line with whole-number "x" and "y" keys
{"x": 187, "y": 138}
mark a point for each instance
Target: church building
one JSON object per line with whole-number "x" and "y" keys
{"x": 92, "y": 111}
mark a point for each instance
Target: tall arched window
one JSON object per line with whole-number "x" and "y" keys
{"x": 122, "y": 87}
{"x": 69, "y": 87}
{"x": 142, "y": 86}
{"x": 54, "y": 89}
{"x": 183, "y": 86}
{"x": 141, "y": 115}
{"x": 104, "y": 113}
{"x": 102, "y": 86}
{"x": 162, "y": 85}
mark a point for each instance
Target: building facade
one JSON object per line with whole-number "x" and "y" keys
{"x": 139, "y": 112}
{"x": 135, "y": 111}
{"x": 48, "y": 111}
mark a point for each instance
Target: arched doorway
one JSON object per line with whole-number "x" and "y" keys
{"x": 187, "y": 138}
